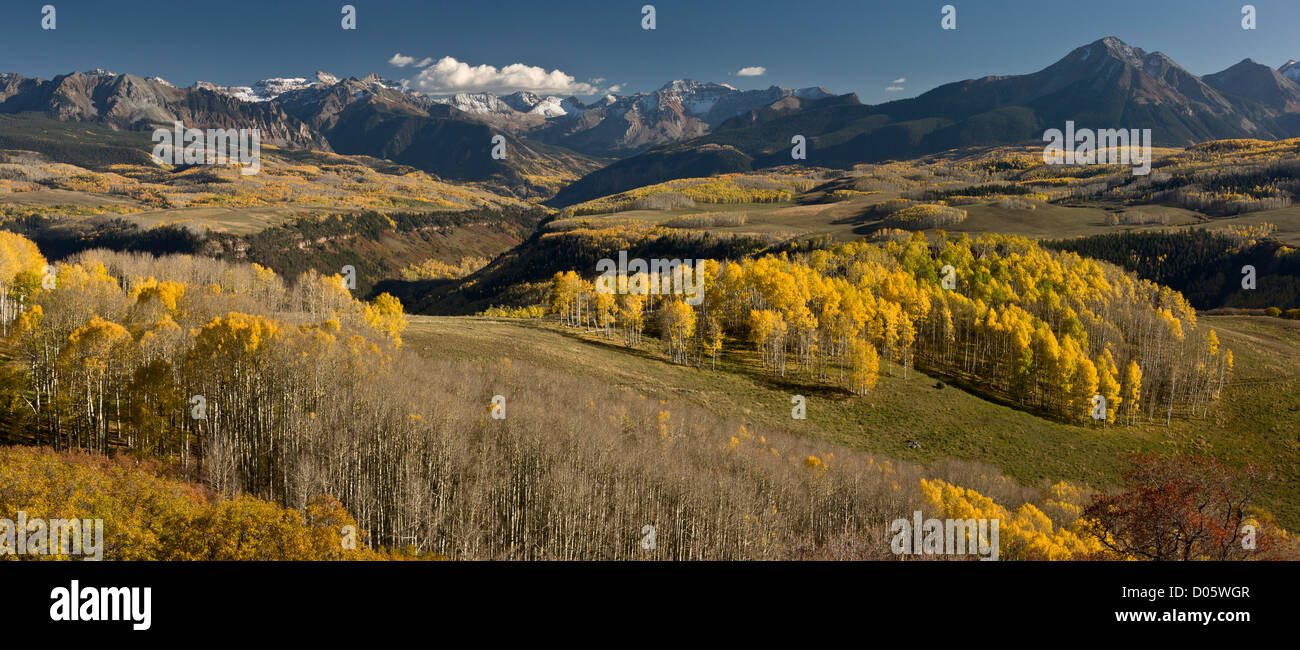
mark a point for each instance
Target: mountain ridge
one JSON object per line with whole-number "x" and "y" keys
{"x": 685, "y": 127}
{"x": 1103, "y": 84}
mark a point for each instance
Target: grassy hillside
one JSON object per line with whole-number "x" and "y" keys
{"x": 1257, "y": 422}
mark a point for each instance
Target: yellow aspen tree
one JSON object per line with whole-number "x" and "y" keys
{"x": 711, "y": 338}
{"x": 631, "y": 312}
{"x": 1085, "y": 386}
{"x": 677, "y": 326}
{"x": 1132, "y": 390}
{"x": 1108, "y": 385}
{"x": 864, "y": 363}
{"x": 386, "y": 316}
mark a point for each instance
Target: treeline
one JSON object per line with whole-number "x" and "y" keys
{"x": 981, "y": 191}
{"x": 687, "y": 192}
{"x": 1196, "y": 181}
{"x": 510, "y": 278}
{"x": 1046, "y": 330}
{"x": 60, "y": 238}
{"x": 1203, "y": 265}
{"x": 326, "y": 243}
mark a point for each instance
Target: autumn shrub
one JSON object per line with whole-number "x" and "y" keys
{"x": 1183, "y": 507}
{"x": 150, "y": 515}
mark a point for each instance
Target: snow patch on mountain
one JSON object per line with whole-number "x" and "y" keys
{"x": 1291, "y": 70}
{"x": 549, "y": 107}
{"x": 477, "y": 103}
{"x": 269, "y": 89}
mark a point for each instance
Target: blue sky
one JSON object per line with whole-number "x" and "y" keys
{"x": 843, "y": 45}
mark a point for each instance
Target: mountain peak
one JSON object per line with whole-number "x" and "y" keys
{"x": 1291, "y": 70}
{"x": 691, "y": 85}
{"x": 1109, "y": 47}
{"x": 1117, "y": 46}
{"x": 812, "y": 92}
{"x": 1260, "y": 83}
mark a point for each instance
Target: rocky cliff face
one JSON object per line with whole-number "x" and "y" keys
{"x": 125, "y": 101}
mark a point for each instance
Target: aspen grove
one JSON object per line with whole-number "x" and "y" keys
{"x": 1047, "y": 331}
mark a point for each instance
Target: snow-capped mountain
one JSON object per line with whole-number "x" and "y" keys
{"x": 269, "y": 89}
{"x": 614, "y": 124}
{"x": 264, "y": 90}
{"x": 512, "y": 105}
{"x": 609, "y": 126}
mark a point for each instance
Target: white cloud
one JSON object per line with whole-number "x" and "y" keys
{"x": 616, "y": 88}
{"x": 451, "y": 76}
{"x": 752, "y": 71}
{"x": 900, "y": 80}
{"x": 400, "y": 60}
{"x": 893, "y": 89}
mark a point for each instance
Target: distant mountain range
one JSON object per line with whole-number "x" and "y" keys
{"x": 370, "y": 116}
{"x": 619, "y": 125}
{"x": 611, "y": 126}
{"x": 1105, "y": 84}
{"x": 687, "y": 127}
{"x": 377, "y": 117}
